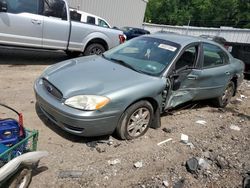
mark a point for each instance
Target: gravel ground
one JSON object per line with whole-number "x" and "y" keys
{"x": 108, "y": 162}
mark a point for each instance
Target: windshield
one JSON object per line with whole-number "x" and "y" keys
{"x": 145, "y": 54}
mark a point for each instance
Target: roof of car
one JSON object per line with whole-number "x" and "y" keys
{"x": 183, "y": 40}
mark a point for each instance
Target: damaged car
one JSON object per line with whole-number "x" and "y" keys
{"x": 127, "y": 88}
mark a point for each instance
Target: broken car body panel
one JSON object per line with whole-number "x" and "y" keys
{"x": 166, "y": 70}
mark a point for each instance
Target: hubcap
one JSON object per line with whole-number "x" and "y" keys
{"x": 138, "y": 122}
{"x": 96, "y": 51}
{"x": 228, "y": 93}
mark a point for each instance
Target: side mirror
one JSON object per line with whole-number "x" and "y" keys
{"x": 3, "y": 6}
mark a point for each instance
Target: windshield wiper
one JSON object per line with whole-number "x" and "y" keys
{"x": 121, "y": 62}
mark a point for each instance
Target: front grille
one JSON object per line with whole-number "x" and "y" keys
{"x": 52, "y": 89}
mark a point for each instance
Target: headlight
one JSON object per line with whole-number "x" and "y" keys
{"x": 87, "y": 102}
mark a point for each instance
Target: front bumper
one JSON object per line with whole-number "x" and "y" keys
{"x": 81, "y": 123}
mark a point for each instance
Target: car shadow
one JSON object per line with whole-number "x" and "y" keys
{"x": 17, "y": 57}
{"x": 74, "y": 138}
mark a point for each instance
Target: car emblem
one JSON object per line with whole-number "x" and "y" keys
{"x": 49, "y": 89}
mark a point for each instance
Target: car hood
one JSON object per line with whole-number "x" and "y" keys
{"x": 93, "y": 75}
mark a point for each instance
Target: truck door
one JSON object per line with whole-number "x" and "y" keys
{"x": 56, "y": 29}
{"x": 20, "y": 23}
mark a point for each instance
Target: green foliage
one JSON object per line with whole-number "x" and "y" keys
{"x": 210, "y": 13}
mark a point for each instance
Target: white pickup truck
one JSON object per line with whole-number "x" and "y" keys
{"x": 46, "y": 24}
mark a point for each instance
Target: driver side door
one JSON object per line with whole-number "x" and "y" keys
{"x": 183, "y": 77}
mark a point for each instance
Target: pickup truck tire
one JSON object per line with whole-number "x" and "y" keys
{"x": 72, "y": 53}
{"x": 94, "y": 49}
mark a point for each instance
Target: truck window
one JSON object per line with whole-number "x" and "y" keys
{"x": 102, "y": 23}
{"x": 74, "y": 16}
{"x": 90, "y": 20}
{"x": 21, "y": 6}
{"x": 55, "y": 8}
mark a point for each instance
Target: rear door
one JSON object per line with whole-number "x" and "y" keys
{"x": 21, "y": 24}
{"x": 216, "y": 72}
{"x": 56, "y": 29}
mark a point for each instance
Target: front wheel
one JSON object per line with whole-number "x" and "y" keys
{"x": 94, "y": 49}
{"x": 135, "y": 121}
{"x": 225, "y": 98}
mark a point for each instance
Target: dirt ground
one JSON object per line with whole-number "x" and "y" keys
{"x": 108, "y": 162}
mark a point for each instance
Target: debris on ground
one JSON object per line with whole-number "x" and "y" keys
{"x": 167, "y": 130}
{"x": 192, "y": 165}
{"x": 234, "y": 127}
{"x": 164, "y": 141}
{"x": 165, "y": 183}
{"x": 114, "y": 162}
{"x": 222, "y": 162}
{"x": 203, "y": 164}
{"x": 184, "y": 138}
{"x": 138, "y": 164}
{"x": 243, "y": 97}
{"x": 201, "y": 122}
{"x": 70, "y": 174}
{"x": 246, "y": 180}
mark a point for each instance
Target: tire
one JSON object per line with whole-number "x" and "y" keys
{"x": 21, "y": 179}
{"x": 72, "y": 54}
{"x": 141, "y": 115}
{"x": 225, "y": 98}
{"x": 94, "y": 49}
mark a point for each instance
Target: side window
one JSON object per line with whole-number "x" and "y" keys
{"x": 188, "y": 58}
{"x": 22, "y": 6}
{"x": 102, "y": 23}
{"x": 90, "y": 20}
{"x": 75, "y": 16}
{"x": 213, "y": 56}
{"x": 55, "y": 8}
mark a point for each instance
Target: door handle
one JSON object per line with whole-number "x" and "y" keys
{"x": 192, "y": 77}
{"x": 227, "y": 73}
{"x": 34, "y": 21}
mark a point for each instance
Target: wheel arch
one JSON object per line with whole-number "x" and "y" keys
{"x": 235, "y": 81}
{"x": 156, "y": 123}
{"x": 98, "y": 41}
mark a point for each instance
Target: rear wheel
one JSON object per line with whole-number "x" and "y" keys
{"x": 225, "y": 98}
{"x": 135, "y": 121}
{"x": 94, "y": 49}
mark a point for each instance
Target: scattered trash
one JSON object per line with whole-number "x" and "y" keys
{"x": 191, "y": 145}
{"x": 92, "y": 144}
{"x": 184, "y": 138}
{"x": 203, "y": 164}
{"x": 234, "y": 127}
{"x": 160, "y": 143}
{"x": 221, "y": 162}
{"x": 138, "y": 164}
{"x": 243, "y": 97}
{"x": 192, "y": 165}
{"x": 114, "y": 162}
{"x": 179, "y": 184}
{"x": 70, "y": 174}
{"x": 239, "y": 100}
{"x": 167, "y": 130}
{"x": 201, "y": 122}
{"x": 165, "y": 183}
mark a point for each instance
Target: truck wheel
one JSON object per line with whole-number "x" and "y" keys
{"x": 21, "y": 179}
{"x": 135, "y": 121}
{"x": 225, "y": 98}
{"x": 94, "y": 49}
{"x": 72, "y": 54}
